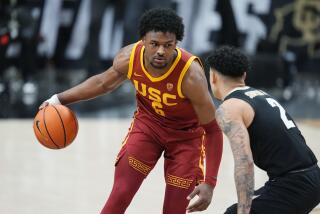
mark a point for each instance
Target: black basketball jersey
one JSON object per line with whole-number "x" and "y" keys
{"x": 276, "y": 142}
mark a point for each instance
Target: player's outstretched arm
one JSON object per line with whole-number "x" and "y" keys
{"x": 96, "y": 85}
{"x": 230, "y": 116}
{"x": 195, "y": 88}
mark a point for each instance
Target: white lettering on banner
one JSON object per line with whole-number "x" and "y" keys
{"x": 49, "y": 27}
{"x": 200, "y": 17}
{"x": 202, "y": 20}
{"x": 250, "y": 24}
{"x": 110, "y": 37}
{"x": 186, "y": 10}
{"x": 80, "y": 32}
{"x": 207, "y": 21}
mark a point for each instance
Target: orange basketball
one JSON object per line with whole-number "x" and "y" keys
{"x": 55, "y": 126}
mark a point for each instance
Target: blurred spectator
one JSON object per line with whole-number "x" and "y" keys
{"x": 4, "y": 33}
{"x": 29, "y": 19}
{"x": 19, "y": 24}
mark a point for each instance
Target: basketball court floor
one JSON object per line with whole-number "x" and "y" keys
{"x": 78, "y": 179}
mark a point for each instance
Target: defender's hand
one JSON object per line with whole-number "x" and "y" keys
{"x": 204, "y": 191}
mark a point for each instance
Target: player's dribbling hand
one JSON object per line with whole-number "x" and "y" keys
{"x": 204, "y": 191}
{"x": 54, "y": 100}
{"x": 44, "y": 104}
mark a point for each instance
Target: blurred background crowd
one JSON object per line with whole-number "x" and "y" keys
{"x": 47, "y": 46}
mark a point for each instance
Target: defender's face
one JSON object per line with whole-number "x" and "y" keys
{"x": 159, "y": 48}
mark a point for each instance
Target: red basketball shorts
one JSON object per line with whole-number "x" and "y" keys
{"x": 183, "y": 152}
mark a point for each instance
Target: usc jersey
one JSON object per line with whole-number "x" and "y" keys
{"x": 162, "y": 97}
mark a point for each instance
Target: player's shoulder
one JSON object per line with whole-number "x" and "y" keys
{"x": 193, "y": 79}
{"x": 234, "y": 104}
{"x": 235, "y": 110}
{"x": 122, "y": 58}
{"x": 195, "y": 72}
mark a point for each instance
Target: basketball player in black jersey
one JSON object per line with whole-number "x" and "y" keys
{"x": 261, "y": 132}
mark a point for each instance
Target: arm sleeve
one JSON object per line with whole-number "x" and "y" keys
{"x": 213, "y": 151}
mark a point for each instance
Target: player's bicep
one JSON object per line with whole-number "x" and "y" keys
{"x": 195, "y": 88}
{"x": 111, "y": 79}
{"x": 230, "y": 120}
{"x": 117, "y": 73}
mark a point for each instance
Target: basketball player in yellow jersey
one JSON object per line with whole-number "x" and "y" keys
{"x": 174, "y": 117}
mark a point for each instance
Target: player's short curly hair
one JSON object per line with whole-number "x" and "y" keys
{"x": 161, "y": 20}
{"x": 228, "y": 61}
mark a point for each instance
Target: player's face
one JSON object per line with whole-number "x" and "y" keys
{"x": 160, "y": 49}
{"x": 214, "y": 84}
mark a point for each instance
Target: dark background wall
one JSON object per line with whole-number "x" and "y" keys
{"x": 48, "y": 46}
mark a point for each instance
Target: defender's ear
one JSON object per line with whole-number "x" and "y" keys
{"x": 213, "y": 76}
{"x": 244, "y": 76}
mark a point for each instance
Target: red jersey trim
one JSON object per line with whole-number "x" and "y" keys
{"x": 166, "y": 74}
{"x": 131, "y": 60}
{"x": 183, "y": 73}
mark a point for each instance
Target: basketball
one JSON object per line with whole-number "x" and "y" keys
{"x": 55, "y": 126}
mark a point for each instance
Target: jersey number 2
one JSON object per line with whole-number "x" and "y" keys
{"x": 288, "y": 123}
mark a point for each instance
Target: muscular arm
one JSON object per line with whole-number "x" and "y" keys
{"x": 100, "y": 83}
{"x": 230, "y": 118}
{"x": 195, "y": 88}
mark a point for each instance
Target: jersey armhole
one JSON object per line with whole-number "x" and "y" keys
{"x": 242, "y": 97}
{"x": 251, "y": 104}
{"x": 183, "y": 73}
{"x": 133, "y": 51}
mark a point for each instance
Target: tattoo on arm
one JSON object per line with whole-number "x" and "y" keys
{"x": 243, "y": 163}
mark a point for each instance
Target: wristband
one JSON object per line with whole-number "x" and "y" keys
{"x": 54, "y": 100}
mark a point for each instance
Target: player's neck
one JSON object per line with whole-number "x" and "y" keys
{"x": 227, "y": 88}
{"x": 157, "y": 72}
